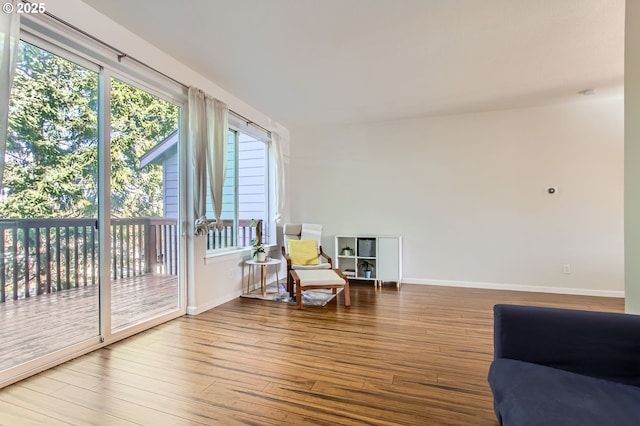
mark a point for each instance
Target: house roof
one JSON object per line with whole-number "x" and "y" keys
{"x": 160, "y": 151}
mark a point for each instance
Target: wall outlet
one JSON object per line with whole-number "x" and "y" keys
{"x": 566, "y": 268}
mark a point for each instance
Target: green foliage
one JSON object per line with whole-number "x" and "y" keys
{"x": 51, "y": 156}
{"x": 138, "y": 121}
{"x": 51, "y": 145}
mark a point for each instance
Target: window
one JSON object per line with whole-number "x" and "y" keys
{"x": 246, "y": 189}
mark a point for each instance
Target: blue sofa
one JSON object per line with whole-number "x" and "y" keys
{"x": 561, "y": 367}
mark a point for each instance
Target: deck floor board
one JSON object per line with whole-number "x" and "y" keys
{"x": 41, "y": 324}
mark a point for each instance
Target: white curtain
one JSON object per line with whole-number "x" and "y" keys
{"x": 9, "y": 44}
{"x": 217, "y": 155}
{"x": 198, "y": 143}
{"x": 208, "y": 123}
{"x": 278, "y": 160}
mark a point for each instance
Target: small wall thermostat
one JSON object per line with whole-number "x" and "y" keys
{"x": 552, "y": 190}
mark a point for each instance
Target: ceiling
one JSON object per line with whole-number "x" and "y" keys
{"x": 309, "y": 62}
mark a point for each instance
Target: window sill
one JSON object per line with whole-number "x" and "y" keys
{"x": 243, "y": 253}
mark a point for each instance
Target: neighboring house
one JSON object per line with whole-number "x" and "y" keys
{"x": 165, "y": 153}
{"x": 251, "y": 177}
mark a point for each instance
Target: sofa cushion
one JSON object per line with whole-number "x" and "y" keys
{"x": 528, "y": 394}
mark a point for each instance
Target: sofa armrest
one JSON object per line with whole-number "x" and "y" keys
{"x": 598, "y": 344}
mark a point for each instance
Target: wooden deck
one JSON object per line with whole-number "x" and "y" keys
{"x": 41, "y": 324}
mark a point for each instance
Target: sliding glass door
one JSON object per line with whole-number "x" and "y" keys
{"x": 73, "y": 273}
{"x": 144, "y": 206}
{"x": 49, "y": 286}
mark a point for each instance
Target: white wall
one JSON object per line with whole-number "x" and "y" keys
{"x": 632, "y": 157}
{"x": 468, "y": 194}
{"x": 223, "y": 278}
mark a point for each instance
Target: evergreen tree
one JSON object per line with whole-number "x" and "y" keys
{"x": 51, "y": 153}
{"x": 139, "y": 120}
{"x": 52, "y": 157}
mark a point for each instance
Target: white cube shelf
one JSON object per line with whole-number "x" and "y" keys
{"x": 372, "y": 258}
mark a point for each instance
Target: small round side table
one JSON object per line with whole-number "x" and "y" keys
{"x": 263, "y": 273}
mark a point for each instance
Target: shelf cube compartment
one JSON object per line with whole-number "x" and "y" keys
{"x": 366, "y": 247}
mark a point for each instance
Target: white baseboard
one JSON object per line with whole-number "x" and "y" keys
{"x": 196, "y": 310}
{"x": 517, "y": 287}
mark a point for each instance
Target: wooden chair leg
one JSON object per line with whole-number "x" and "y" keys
{"x": 347, "y": 296}
{"x": 294, "y": 277}
{"x": 289, "y": 283}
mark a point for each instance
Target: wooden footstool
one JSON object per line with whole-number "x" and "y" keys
{"x": 320, "y": 278}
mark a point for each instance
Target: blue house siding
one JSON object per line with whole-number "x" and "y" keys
{"x": 170, "y": 179}
{"x": 251, "y": 179}
{"x": 165, "y": 153}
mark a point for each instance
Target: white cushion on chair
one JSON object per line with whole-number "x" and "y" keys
{"x": 319, "y": 277}
{"x": 292, "y": 229}
{"x": 291, "y": 232}
{"x": 310, "y": 267}
{"x": 311, "y": 231}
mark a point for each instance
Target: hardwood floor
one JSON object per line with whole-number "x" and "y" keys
{"x": 418, "y": 356}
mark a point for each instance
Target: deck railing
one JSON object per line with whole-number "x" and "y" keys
{"x": 224, "y": 238}
{"x": 39, "y": 256}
